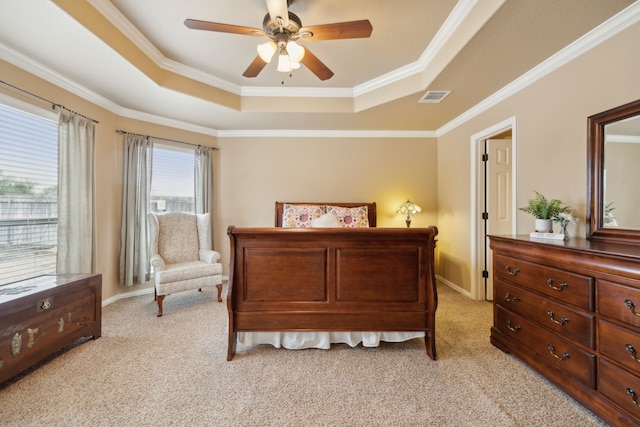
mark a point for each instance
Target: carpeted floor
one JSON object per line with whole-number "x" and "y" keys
{"x": 149, "y": 371}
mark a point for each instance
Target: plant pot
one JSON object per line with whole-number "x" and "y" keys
{"x": 544, "y": 226}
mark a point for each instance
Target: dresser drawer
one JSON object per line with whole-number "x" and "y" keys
{"x": 619, "y": 302}
{"x": 565, "y": 286}
{"x": 548, "y": 346}
{"x": 620, "y": 345}
{"x": 570, "y": 323}
{"x": 621, "y": 387}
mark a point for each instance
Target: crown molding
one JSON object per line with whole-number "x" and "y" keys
{"x": 448, "y": 29}
{"x": 29, "y": 65}
{"x": 297, "y": 92}
{"x": 614, "y": 25}
{"x": 24, "y": 62}
{"x": 292, "y": 133}
{"x": 113, "y": 15}
{"x": 452, "y": 24}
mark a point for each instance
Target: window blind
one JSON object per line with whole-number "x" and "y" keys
{"x": 28, "y": 195}
{"x": 173, "y": 179}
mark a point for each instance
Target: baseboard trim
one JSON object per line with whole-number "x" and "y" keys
{"x": 453, "y": 286}
{"x": 139, "y": 292}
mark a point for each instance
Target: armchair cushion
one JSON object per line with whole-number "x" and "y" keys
{"x": 186, "y": 271}
{"x": 178, "y": 239}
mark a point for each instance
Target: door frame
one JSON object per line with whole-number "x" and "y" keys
{"x": 477, "y": 254}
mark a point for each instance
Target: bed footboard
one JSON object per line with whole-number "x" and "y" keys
{"x": 367, "y": 279}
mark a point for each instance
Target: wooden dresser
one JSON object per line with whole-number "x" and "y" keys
{"x": 42, "y": 315}
{"x": 571, "y": 311}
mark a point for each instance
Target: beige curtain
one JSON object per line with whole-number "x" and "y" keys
{"x": 76, "y": 194}
{"x": 204, "y": 183}
{"x": 136, "y": 201}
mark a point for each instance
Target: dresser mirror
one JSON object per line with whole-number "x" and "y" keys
{"x": 613, "y": 193}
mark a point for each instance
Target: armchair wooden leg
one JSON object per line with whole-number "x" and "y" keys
{"x": 160, "y": 299}
{"x": 219, "y": 286}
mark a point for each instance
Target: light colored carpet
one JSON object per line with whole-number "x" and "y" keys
{"x": 149, "y": 371}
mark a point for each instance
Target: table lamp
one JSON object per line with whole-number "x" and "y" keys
{"x": 408, "y": 208}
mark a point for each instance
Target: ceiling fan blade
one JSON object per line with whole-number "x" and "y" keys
{"x": 255, "y": 67}
{"x": 279, "y": 9}
{"x": 194, "y": 24}
{"x": 341, "y": 30}
{"x": 316, "y": 66}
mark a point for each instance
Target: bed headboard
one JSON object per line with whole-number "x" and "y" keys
{"x": 371, "y": 209}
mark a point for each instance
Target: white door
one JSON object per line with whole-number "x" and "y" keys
{"x": 498, "y": 195}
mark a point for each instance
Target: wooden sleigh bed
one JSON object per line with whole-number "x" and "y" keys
{"x": 332, "y": 280}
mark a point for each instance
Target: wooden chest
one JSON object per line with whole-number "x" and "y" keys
{"x": 571, "y": 310}
{"x": 42, "y": 315}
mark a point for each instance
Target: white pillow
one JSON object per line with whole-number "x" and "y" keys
{"x": 327, "y": 220}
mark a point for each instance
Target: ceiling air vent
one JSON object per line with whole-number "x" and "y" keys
{"x": 434, "y": 96}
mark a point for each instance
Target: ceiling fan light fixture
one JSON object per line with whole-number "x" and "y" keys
{"x": 284, "y": 62}
{"x": 296, "y": 52}
{"x": 266, "y": 50}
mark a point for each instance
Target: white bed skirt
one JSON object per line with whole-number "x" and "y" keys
{"x": 323, "y": 340}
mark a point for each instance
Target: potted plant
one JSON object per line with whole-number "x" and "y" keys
{"x": 543, "y": 211}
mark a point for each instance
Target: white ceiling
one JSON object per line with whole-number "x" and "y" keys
{"x": 138, "y": 59}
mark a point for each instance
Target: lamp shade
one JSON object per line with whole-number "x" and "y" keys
{"x": 266, "y": 50}
{"x": 296, "y": 52}
{"x": 284, "y": 62}
{"x": 408, "y": 207}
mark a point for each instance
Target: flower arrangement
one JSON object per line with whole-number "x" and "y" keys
{"x": 542, "y": 208}
{"x": 564, "y": 218}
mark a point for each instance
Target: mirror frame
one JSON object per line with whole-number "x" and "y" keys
{"x": 595, "y": 175}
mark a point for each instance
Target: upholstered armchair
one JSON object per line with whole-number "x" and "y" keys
{"x": 181, "y": 254}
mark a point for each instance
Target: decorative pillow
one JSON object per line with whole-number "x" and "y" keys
{"x": 357, "y": 217}
{"x": 300, "y": 216}
{"x": 328, "y": 220}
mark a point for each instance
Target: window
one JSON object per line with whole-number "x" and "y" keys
{"x": 172, "y": 179}
{"x": 28, "y": 194}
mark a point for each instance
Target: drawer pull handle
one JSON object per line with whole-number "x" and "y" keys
{"x": 633, "y": 395}
{"x": 562, "y": 357}
{"x": 562, "y": 286}
{"x": 509, "y": 298}
{"x": 511, "y": 271}
{"x": 513, "y": 328}
{"x": 632, "y": 307}
{"x": 632, "y": 350}
{"x": 563, "y": 321}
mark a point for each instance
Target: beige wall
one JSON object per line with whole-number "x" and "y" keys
{"x": 252, "y": 173}
{"x": 551, "y": 133}
{"x": 256, "y": 172}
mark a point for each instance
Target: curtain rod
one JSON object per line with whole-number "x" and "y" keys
{"x": 54, "y": 105}
{"x": 164, "y": 139}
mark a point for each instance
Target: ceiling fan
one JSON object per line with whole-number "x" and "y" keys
{"x": 283, "y": 28}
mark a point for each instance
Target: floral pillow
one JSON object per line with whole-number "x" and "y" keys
{"x": 357, "y": 217}
{"x": 328, "y": 220}
{"x": 300, "y": 216}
